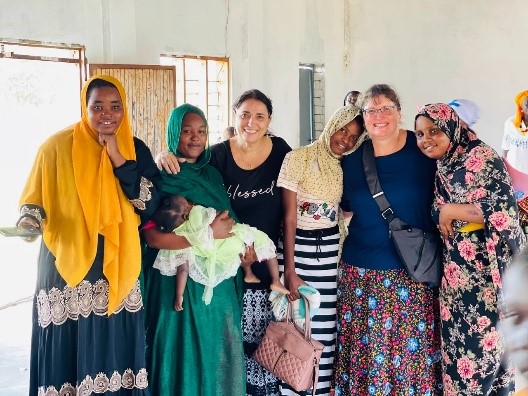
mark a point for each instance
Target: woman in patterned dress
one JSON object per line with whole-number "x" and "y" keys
{"x": 386, "y": 339}
{"x": 476, "y": 213}
{"x": 312, "y": 185}
{"x": 90, "y": 186}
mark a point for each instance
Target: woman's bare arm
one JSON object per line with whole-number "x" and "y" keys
{"x": 453, "y": 211}
{"x": 292, "y": 281}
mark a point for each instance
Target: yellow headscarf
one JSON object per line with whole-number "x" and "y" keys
{"x": 73, "y": 181}
{"x": 519, "y": 99}
{"x": 316, "y": 167}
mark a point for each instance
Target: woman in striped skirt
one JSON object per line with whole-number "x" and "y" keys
{"x": 312, "y": 180}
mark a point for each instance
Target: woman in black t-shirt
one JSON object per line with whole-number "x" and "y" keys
{"x": 249, "y": 164}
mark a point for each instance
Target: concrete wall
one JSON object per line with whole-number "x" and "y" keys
{"x": 428, "y": 50}
{"x": 439, "y": 50}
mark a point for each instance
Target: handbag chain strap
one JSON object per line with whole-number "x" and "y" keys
{"x": 371, "y": 174}
{"x": 307, "y": 335}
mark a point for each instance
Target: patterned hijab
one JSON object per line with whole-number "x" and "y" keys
{"x": 73, "y": 176}
{"x": 198, "y": 182}
{"x": 519, "y": 99}
{"x": 446, "y": 118}
{"x": 316, "y": 167}
{"x": 472, "y": 172}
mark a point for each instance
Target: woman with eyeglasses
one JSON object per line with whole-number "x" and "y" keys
{"x": 387, "y": 333}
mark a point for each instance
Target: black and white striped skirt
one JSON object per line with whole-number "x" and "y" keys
{"x": 316, "y": 263}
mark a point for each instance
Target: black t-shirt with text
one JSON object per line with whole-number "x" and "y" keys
{"x": 254, "y": 194}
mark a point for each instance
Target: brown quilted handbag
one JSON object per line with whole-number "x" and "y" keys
{"x": 290, "y": 353}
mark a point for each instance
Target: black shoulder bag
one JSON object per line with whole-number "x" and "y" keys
{"x": 420, "y": 251}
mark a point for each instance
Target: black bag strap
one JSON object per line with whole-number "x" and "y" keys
{"x": 371, "y": 174}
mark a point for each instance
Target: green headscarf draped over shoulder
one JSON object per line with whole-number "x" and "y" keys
{"x": 199, "y": 182}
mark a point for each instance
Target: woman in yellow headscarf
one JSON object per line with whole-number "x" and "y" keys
{"x": 515, "y": 154}
{"x": 515, "y": 139}
{"x": 312, "y": 185}
{"x": 90, "y": 187}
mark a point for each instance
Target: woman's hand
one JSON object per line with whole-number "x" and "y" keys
{"x": 445, "y": 221}
{"x": 222, "y": 225}
{"x": 168, "y": 162}
{"x": 28, "y": 223}
{"x": 292, "y": 281}
{"x": 249, "y": 256}
{"x": 110, "y": 142}
{"x": 456, "y": 211}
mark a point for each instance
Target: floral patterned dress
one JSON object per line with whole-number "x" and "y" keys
{"x": 472, "y": 172}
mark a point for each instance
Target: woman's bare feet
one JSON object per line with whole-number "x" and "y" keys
{"x": 178, "y": 303}
{"x": 279, "y": 287}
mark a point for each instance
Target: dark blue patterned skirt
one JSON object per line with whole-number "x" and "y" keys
{"x": 76, "y": 348}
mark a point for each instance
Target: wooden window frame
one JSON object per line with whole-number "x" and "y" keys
{"x": 80, "y": 59}
{"x": 206, "y": 58}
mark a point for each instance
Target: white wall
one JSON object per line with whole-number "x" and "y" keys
{"x": 439, "y": 50}
{"x": 428, "y": 50}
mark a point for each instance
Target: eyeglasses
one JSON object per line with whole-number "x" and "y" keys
{"x": 386, "y": 110}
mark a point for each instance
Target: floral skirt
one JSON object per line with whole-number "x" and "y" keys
{"x": 387, "y": 335}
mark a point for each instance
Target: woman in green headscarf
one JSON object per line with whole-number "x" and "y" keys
{"x": 197, "y": 351}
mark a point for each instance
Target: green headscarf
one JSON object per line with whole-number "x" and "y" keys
{"x": 174, "y": 130}
{"x": 199, "y": 182}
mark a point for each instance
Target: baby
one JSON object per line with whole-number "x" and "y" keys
{"x": 209, "y": 261}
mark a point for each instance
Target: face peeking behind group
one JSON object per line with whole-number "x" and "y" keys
{"x": 431, "y": 140}
{"x": 345, "y": 138}
{"x": 105, "y": 110}
{"x": 193, "y": 137}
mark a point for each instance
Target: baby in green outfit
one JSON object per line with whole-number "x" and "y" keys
{"x": 209, "y": 261}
